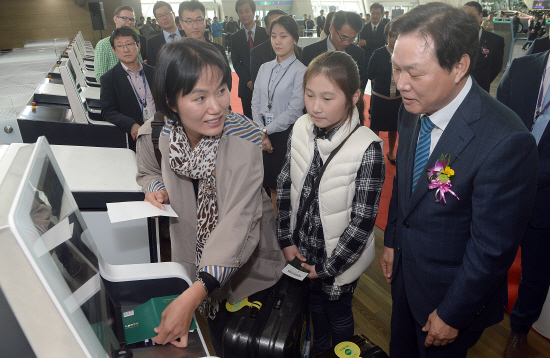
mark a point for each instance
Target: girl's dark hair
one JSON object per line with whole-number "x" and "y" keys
{"x": 179, "y": 67}
{"x": 341, "y": 69}
{"x": 290, "y": 26}
{"x": 328, "y": 23}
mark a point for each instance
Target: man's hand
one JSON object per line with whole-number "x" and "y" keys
{"x": 362, "y": 43}
{"x": 386, "y": 262}
{"x": 312, "y": 273}
{"x": 266, "y": 144}
{"x": 176, "y": 318}
{"x": 134, "y": 131}
{"x": 439, "y": 333}
{"x": 291, "y": 252}
{"x": 250, "y": 85}
{"x": 157, "y": 198}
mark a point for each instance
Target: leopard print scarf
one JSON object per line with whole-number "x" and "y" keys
{"x": 199, "y": 163}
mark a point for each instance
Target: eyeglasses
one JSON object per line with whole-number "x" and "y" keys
{"x": 120, "y": 47}
{"x": 164, "y": 15}
{"x": 126, "y": 19}
{"x": 346, "y": 39}
{"x": 196, "y": 22}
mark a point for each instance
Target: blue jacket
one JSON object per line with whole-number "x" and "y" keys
{"x": 217, "y": 29}
{"x": 455, "y": 256}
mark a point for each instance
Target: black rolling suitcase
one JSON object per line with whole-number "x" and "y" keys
{"x": 357, "y": 346}
{"x": 276, "y": 330}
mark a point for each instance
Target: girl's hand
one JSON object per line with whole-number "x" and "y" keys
{"x": 291, "y": 252}
{"x": 312, "y": 273}
{"x": 266, "y": 144}
{"x": 176, "y": 318}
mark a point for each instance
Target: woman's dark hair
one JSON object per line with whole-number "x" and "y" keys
{"x": 388, "y": 30}
{"x": 328, "y": 22}
{"x": 290, "y": 25}
{"x": 179, "y": 67}
{"x": 454, "y": 32}
{"x": 340, "y": 69}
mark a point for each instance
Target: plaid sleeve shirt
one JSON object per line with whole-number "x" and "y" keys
{"x": 368, "y": 186}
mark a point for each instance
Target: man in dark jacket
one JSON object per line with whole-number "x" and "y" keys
{"x": 343, "y": 31}
{"x": 372, "y": 35}
{"x": 491, "y": 51}
{"x": 241, "y": 43}
{"x": 126, "y": 98}
{"x": 320, "y": 23}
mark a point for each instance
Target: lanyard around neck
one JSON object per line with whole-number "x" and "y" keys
{"x": 540, "y": 111}
{"x": 271, "y": 95}
{"x": 143, "y": 102}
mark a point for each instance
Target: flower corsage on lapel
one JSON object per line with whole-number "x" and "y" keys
{"x": 484, "y": 51}
{"x": 440, "y": 178}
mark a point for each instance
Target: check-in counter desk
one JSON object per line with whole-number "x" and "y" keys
{"x": 59, "y": 297}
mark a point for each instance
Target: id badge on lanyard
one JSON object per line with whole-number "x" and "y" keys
{"x": 146, "y": 113}
{"x": 268, "y": 118}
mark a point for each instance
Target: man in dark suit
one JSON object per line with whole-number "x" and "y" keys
{"x": 320, "y": 22}
{"x": 191, "y": 17}
{"x": 519, "y": 89}
{"x": 167, "y": 21}
{"x": 372, "y": 35}
{"x": 241, "y": 43}
{"x": 539, "y": 45}
{"x": 126, "y": 97}
{"x": 264, "y": 52}
{"x": 343, "y": 31}
{"x": 452, "y": 234}
{"x": 490, "y": 53}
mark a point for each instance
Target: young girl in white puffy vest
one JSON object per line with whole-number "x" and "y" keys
{"x": 332, "y": 229}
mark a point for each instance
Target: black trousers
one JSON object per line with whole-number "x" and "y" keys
{"x": 535, "y": 279}
{"x": 247, "y": 107}
{"x": 407, "y": 338}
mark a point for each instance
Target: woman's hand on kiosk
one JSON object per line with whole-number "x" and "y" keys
{"x": 157, "y": 198}
{"x": 176, "y": 318}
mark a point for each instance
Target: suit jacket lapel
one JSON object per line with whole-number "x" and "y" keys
{"x": 454, "y": 139}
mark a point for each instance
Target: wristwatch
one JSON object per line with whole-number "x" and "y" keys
{"x": 264, "y": 131}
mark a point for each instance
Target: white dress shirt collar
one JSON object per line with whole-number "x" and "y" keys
{"x": 442, "y": 117}
{"x": 330, "y": 46}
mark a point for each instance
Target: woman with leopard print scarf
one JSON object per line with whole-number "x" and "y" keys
{"x": 225, "y": 233}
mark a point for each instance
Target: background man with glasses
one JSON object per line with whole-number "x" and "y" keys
{"x": 242, "y": 42}
{"x": 126, "y": 98}
{"x": 343, "y": 32}
{"x": 167, "y": 21}
{"x": 104, "y": 57}
{"x": 372, "y": 35}
{"x": 191, "y": 16}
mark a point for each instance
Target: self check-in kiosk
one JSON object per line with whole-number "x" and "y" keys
{"x": 62, "y": 299}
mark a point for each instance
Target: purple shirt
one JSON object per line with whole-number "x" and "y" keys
{"x": 136, "y": 81}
